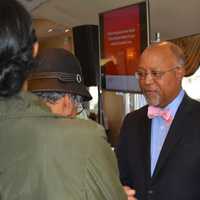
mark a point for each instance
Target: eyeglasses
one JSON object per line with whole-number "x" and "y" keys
{"x": 78, "y": 103}
{"x": 155, "y": 74}
{"x": 79, "y": 109}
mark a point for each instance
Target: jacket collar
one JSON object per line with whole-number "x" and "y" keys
{"x": 23, "y": 104}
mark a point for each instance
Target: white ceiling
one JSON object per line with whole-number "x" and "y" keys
{"x": 172, "y": 18}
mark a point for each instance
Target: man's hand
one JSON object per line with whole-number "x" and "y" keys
{"x": 130, "y": 193}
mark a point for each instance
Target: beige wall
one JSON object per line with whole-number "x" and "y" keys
{"x": 61, "y": 41}
{"x": 114, "y": 112}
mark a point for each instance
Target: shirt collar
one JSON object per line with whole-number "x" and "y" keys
{"x": 173, "y": 106}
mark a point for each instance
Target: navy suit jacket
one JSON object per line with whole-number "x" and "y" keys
{"x": 177, "y": 173}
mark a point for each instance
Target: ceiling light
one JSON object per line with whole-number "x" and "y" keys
{"x": 50, "y": 30}
{"x": 67, "y": 30}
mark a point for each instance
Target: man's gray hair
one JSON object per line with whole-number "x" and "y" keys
{"x": 179, "y": 54}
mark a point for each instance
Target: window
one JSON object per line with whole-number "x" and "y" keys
{"x": 191, "y": 85}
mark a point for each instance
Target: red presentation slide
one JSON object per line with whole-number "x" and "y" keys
{"x": 121, "y": 40}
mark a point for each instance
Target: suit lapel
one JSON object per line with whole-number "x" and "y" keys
{"x": 146, "y": 142}
{"x": 173, "y": 137}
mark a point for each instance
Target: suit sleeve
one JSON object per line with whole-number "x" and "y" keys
{"x": 122, "y": 153}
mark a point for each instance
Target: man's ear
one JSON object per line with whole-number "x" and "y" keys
{"x": 180, "y": 72}
{"x": 35, "y": 49}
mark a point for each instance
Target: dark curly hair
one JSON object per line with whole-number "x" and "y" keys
{"x": 17, "y": 37}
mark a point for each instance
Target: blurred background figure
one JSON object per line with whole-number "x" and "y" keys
{"x": 57, "y": 80}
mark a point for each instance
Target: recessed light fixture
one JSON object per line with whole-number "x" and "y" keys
{"x": 67, "y": 30}
{"x": 50, "y": 30}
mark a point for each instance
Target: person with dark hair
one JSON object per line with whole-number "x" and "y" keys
{"x": 159, "y": 147}
{"x": 44, "y": 156}
{"x": 16, "y": 47}
{"x": 57, "y": 80}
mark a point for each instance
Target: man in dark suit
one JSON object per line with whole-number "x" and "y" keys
{"x": 159, "y": 148}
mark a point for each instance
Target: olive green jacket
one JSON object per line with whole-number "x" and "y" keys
{"x": 46, "y": 157}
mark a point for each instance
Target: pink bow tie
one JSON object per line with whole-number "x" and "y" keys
{"x": 158, "y": 112}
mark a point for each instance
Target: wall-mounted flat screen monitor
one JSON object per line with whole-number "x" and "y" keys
{"x": 123, "y": 36}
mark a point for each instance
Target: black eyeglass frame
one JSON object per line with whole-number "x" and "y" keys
{"x": 155, "y": 74}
